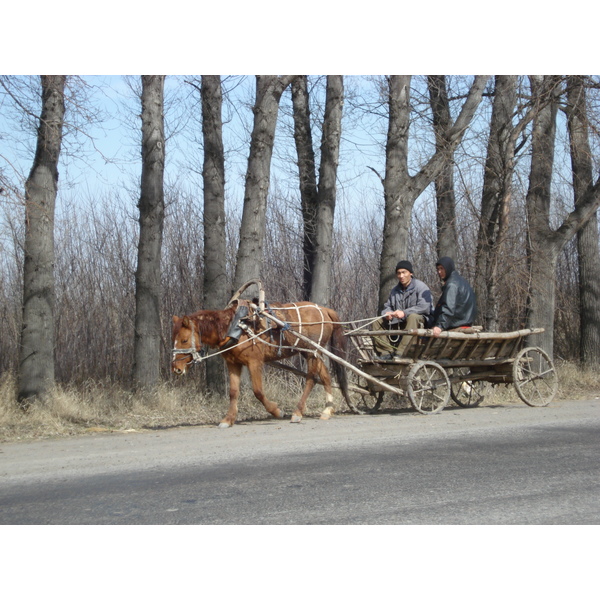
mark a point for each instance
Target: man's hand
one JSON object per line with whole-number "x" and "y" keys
{"x": 398, "y": 314}
{"x": 436, "y": 331}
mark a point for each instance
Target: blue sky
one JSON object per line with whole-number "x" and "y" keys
{"x": 103, "y": 159}
{"x": 110, "y": 163}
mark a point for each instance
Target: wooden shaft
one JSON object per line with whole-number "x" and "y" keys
{"x": 332, "y": 356}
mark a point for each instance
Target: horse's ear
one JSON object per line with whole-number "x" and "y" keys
{"x": 175, "y": 319}
{"x": 185, "y": 322}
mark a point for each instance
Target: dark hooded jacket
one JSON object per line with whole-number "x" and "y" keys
{"x": 457, "y": 305}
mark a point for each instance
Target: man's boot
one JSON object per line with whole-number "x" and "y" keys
{"x": 235, "y": 331}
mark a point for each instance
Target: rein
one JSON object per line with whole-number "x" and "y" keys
{"x": 199, "y": 355}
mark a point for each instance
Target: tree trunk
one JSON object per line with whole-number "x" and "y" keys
{"x": 213, "y": 175}
{"x": 544, "y": 244}
{"x": 543, "y": 247}
{"x": 401, "y": 189}
{"x": 36, "y": 355}
{"x": 495, "y": 199}
{"x": 269, "y": 89}
{"x": 330, "y": 151}
{"x": 396, "y": 185}
{"x": 146, "y": 367}
{"x": 444, "y": 183}
{"x": 587, "y": 236}
{"x": 308, "y": 180}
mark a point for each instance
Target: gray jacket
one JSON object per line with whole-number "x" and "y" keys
{"x": 416, "y": 298}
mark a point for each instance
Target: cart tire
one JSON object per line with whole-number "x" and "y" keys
{"x": 468, "y": 394}
{"x": 367, "y": 400}
{"x": 535, "y": 377}
{"x": 428, "y": 387}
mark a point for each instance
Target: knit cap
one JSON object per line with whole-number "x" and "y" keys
{"x": 404, "y": 264}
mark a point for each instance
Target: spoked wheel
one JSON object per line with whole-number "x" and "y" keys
{"x": 365, "y": 398}
{"x": 468, "y": 394}
{"x": 534, "y": 377}
{"x": 428, "y": 387}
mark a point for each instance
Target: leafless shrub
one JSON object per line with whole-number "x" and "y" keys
{"x": 95, "y": 265}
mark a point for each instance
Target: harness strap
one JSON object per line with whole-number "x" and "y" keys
{"x": 297, "y": 339}
{"x": 193, "y": 349}
{"x": 199, "y": 355}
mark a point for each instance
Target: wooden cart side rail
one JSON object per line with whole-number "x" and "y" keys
{"x": 454, "y": 345}
{"x": 478, "y": 335}
{"x": 363, "y": 345}
{"x": 447, "y": 363}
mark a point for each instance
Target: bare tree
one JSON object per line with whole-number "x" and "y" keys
{"x": 269, "y": 89}
{"x": 444, "y": 182}
{"x": 308, "y": 179}
{"x": 587, "y": 236}
{"x": 495, "y": 198}
{"x": 330, "y": 150}
{"x": 146, "y": 368}
{"x": 36, "y": 354}
{"x": 400, "y": 189}
{"x": 544, "y": 243}
{"x": 213, "y": 175}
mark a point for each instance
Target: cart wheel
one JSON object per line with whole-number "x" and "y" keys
{"x": 366, "y": 399}
{"x": 468, "y": 394}
{"x": 428, "y": 387}
{"x": 534, "y": 377}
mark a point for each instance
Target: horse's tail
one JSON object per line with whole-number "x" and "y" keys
{"x": 339, "y": 347}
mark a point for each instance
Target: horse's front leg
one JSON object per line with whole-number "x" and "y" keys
{"x": 255, "y": 369}
{"x": 235, "y": 372}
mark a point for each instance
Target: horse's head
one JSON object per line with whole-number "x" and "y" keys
{"x": 186, "y": 344}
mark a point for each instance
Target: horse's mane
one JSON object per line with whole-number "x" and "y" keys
{"x": 210, "y": 320}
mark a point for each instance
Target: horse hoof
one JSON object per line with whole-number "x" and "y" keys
{"x": 296, "y": 419}
{"x": 326, "y": 414}
{"x": 224, "y": 425}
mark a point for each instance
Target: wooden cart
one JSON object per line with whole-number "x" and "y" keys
{"x": 457, "y": 364}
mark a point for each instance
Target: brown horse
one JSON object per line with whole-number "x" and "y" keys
{"x": 265, "y": 341}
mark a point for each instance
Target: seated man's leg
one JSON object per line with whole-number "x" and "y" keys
{"x": 382, "y": 343}
{"x": 413, "y": 321}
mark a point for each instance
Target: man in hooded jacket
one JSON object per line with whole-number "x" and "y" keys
{"x": 457, "y": 306}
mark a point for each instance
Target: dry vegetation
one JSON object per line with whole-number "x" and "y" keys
{"x": 95, "y": 407}
{"x": 96, "y": 238}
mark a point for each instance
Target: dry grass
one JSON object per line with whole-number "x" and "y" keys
{"x": 98, "y": 407}
{"x": 95, "y": 407}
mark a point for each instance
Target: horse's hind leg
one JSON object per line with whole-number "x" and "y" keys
{"x": 326, "y": 379}
{"x": 311, "y": 370}
{"x": 255, "y": 370}
{"x": 315, "y": 367}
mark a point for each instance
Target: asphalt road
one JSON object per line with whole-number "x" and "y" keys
{"x": 507, "y": 464}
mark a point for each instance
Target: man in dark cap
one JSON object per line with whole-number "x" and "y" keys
{"x": 457, "y": 306}
{"x": 408, "y": 307}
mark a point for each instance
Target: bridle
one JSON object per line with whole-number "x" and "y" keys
{"x": 197, "y": 355}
